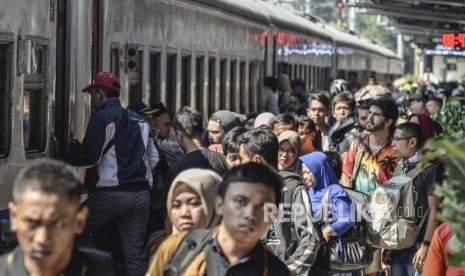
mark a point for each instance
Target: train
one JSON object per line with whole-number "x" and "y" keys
{"x": 208, "y": 54}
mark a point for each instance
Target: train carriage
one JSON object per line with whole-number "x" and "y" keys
{"x": 209, "y": 54}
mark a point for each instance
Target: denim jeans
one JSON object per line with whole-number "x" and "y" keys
{"x": 130, "y": 211}
{"x": 401, "y": 262}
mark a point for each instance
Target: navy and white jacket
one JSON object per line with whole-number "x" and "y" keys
{"x": 128, "y": 164}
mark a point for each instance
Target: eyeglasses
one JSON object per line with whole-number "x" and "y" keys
{"x": 395, "y": 139}
{"x": 288, "y": 151}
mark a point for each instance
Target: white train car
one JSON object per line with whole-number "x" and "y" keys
{"x": 209, "y": 54}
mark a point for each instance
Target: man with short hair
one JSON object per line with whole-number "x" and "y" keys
{"x": 284, "y": 121}
{"x": 118, "y": 141}
{"x": 231, "y": 146}
{"x": 434, "y": 107}
{"x": 45, "y": 215}
{"x": 297, "y": 104}
{"x": 220, "y": 123}
{"x": 260, "y": 146}
{"x": 161, "y": 122}
{"x": 339, "y": 136}
{"x": 406, "y": 144}
{"x": 245, "y": 199}
{"x": 162, "y": 132}
{"x": 377, "y": 161}
{"x": 318, "y": 110}
{"x": 362, "y": 109}
{"x": 293, "y": 238}
{"x": 308, "y": 135}
{"x": 188, "y": 126}
{"x": 342, "y": 105}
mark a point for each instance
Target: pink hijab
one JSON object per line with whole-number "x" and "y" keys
{"x": 265, "y": 118}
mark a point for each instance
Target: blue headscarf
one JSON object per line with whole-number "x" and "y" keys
{"x": 319, "y": 164}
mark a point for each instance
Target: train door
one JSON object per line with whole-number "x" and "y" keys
{"x": 60, "y": 132}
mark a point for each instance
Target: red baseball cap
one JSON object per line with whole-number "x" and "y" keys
{"x": 104, "y": 79}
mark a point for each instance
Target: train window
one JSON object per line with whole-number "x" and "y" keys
{"x": 135, "y": 75}
{"x": 171, "y": 82}
{"x": 290, "y": 70}
{"x": 211, "y": 84}
{"x": 308, "y": 81}
{"x": 302, "y": 72}
{"x": 242, "y": 99}
{"x": 317, "y": 78}
{"x": 280, "y": 67}
{"x": 199, "y": 83}
{"x": 314, "y": 78}
{"x": 115, "y": 59}
{"x": 34, "y": 119}
{"x": 327, "y": 73}
{"x": 155, "y": 77}
{"x": 223, "y": 86}
{"x": 5, "y": 119}
{"x": 32, "y": 62}
{"x": 186, "y": 80}
{"x": 233, "y": 85}
{"x": 252, "y": 87}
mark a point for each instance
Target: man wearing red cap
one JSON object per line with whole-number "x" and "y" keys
{"x": 117, "y": 140}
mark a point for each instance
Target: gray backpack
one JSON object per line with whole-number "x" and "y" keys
{"x": 392, "y": 209}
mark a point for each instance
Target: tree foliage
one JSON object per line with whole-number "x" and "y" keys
{"x": 367, "y": 26}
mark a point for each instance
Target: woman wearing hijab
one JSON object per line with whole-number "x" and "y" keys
{"x": 289, "y": 150}
{"x": 264, "y": 119}
{"x": 191, "y": 203}
{"x": 318, "y": 174}
{"x": 191, "y": 200}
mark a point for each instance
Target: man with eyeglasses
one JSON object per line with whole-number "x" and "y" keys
{"x": 406, "y": 144}
{"x": 293, "y": 237}
{"x": 376, "y": 162}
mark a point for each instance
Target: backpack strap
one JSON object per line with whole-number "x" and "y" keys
{"x": 358, "y": 161}
{"x": 212, "y": 269}
{"x": 192, "y": 244}
{"x": 423, "y": 219}
{"x": 413, "y": 173}
{"x": 324, "y": 203}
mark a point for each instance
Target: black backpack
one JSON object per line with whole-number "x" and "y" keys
{"x": 321, "y": 267}
{"x": 340, "y": 128}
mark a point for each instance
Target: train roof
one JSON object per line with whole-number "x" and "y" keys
{"x": 271, "y": 16}
{"x": 244, "y": 8}
{"x": 284, "y": 19}
{"x": 344, "y": 38}
{"x": 276, "y": 17}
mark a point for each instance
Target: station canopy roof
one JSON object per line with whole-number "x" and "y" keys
{"x": 424, "y": 21}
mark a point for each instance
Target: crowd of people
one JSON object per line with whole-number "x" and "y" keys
{"x": 249, "y": 194}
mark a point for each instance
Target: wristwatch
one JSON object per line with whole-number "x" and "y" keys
{"x": 426, "y": 243}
